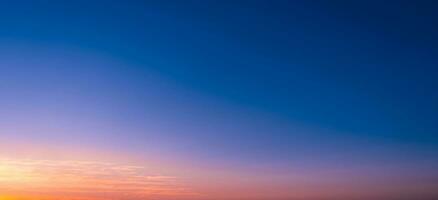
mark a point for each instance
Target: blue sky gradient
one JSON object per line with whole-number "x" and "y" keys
{"x": 272, "y": 85}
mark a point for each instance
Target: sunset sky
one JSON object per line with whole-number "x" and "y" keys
{"x": 218, "y": 100}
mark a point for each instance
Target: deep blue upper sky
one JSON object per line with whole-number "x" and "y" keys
{"x": 358, "y": 72}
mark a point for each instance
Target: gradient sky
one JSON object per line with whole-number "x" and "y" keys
{"x": 256, "y": 100}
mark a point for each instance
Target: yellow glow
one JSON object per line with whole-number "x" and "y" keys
{"x": 82, "y": 180}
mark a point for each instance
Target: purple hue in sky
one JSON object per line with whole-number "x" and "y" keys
{"x": 333, "y": 91}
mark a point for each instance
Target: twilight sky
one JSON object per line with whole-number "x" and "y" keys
{"x": 218, "y": 100}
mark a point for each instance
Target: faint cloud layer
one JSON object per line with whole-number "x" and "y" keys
{"x": 53, "y": 179}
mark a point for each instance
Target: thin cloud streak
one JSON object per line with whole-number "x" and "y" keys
{"x": 52, "y": 179}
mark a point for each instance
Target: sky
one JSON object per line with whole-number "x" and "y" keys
{"x": 218, "y": 100}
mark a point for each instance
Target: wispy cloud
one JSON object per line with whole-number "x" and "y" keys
{"x": 54, "y": 179}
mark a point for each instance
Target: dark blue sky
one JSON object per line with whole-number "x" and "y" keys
{"x": 243, "y": 80}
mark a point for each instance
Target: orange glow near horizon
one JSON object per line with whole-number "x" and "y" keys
{"x": 27, "y": 179}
